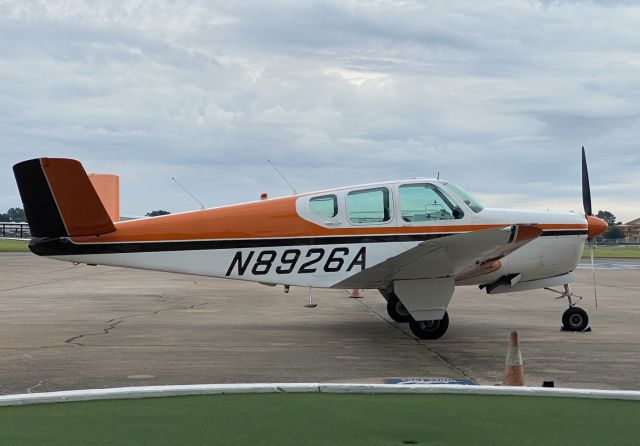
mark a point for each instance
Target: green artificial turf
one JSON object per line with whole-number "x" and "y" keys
{"x": 7, "y": 245}
{"x": 312, "y": 419}
{"x": 612, "y": 252}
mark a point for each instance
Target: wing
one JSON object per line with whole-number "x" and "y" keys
{"x": 459, "y": 256}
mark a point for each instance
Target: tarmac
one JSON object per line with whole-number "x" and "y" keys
{"x": 68, "y": 327}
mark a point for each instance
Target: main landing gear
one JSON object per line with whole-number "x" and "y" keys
{"x": 421, "y": 329}
{"x": 574, "y": 318}
{"x": 396, "y": 310}
{"x": 430, "y": 329}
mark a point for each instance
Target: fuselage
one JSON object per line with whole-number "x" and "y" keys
{"x": 321, "y": 239}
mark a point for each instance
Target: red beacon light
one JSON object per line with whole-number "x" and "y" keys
{"x": 264, "y": 196}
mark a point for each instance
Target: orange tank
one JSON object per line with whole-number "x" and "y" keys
{"x": 108, "y": 188}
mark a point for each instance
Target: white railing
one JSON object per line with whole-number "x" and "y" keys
{"x": 14, "y": 230}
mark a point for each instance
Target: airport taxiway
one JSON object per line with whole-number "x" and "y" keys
{"x": 65, "y": 327}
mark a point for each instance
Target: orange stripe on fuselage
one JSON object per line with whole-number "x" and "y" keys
{"x": 276, "y": 218}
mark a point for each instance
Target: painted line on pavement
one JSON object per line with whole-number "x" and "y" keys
{"x": 612, "y": 265}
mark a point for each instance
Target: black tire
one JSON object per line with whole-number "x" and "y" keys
{"x": 575, "y": 319}
{"x": 396, "y": 310}
{"x": 430, "y": 329}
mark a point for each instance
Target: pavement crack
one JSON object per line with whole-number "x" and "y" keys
{"x": 191, "y": 307}
{"x": 35, "y": 386}
{"x": 111, "y": 324}
{"x": 58, "y": 280}
{"x": 418, "y": 341}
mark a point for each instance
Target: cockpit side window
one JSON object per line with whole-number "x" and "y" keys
{"x": 326, "y": 205}
{"x": 425, "y": 202}
{"x": 369, "y": 205}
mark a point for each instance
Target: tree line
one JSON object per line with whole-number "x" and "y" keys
{"x": 13, "y": 214}
{"x": 17, "y": 215}
{"x": 614, "y": 232}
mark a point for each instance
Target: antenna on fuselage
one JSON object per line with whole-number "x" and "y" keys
{"x": 283, "y": 177}
{"x": 189, "y": 193}
{"x": 438, "y": 175}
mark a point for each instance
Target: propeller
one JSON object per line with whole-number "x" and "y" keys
{"x": 596, "y": 226}
{"x": 586, "y": 189}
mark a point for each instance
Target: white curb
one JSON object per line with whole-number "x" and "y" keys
{"x": 208, "y": 389}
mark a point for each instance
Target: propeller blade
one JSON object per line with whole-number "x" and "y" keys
{"x": 593, "y": 268}
{"x": 586, "y": 190}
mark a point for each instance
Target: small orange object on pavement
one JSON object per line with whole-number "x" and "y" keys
{"x": 513, "y": 366}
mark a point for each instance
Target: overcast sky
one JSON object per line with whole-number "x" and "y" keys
{"x": 498, "y": 96}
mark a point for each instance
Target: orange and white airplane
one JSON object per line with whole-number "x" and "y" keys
{"x": 414, "y": 240}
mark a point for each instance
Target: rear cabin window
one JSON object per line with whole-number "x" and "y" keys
{"x": 369, "y": 206}
{"x": 326, "y": 205}
{"x": 425, "y": 202}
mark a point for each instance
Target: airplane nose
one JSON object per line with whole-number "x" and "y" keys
{"x": 596, "y": 226}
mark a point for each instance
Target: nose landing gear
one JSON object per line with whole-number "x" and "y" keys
{"x": 574, "y": 318}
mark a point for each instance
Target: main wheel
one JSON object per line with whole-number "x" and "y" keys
{"x": 396, "y": 309}
{"x": 575, "y": 319}
{"x": 430, "y": 329}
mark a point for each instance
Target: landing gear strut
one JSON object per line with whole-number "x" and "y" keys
{"x": 574, "y": 318}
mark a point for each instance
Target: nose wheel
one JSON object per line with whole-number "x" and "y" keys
{"x": 574, "y": 318}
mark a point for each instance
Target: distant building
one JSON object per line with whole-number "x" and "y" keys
{"x": 631, "y": 231}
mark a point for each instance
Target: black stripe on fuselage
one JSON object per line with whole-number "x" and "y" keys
{"x": 561, "y": 233}
{"x": 57, "y": 246}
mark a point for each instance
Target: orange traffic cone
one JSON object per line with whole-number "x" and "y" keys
{"x": 513, "y": 369}
{"x": 356, "y": 293}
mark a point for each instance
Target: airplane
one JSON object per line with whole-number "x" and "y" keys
{"x": 413, "y": 240}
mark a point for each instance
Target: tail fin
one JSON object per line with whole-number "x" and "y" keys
{"x": 59, "y": 199}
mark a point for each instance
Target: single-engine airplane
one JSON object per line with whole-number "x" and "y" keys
{"x": 414, "y": 240}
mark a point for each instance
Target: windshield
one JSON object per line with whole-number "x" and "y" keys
{"x": 464, "y": 196}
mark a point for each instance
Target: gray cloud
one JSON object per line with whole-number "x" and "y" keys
{"x": 498, "y": 96}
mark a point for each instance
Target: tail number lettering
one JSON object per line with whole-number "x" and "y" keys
{"x": 262, "y": 263}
